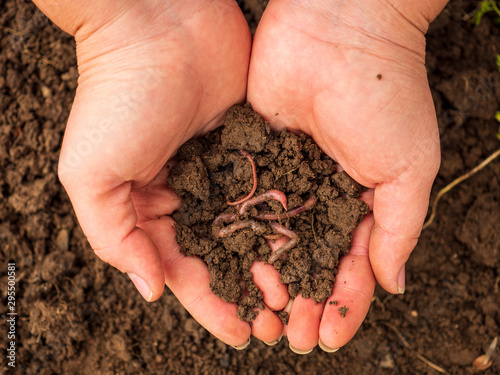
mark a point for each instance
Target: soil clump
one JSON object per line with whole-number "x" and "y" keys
{"x": 298, "y": 194}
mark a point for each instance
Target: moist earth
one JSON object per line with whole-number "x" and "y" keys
{"x": 77, "y": 315}
{"x": 214, "y": 171}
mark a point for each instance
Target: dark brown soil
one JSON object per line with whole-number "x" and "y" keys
{"x": 212, "y": 171}
{"x": 76, "y": 315}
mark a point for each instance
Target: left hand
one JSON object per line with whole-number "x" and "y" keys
{"x": 153, "y": 74}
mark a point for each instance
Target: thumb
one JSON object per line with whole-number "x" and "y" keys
{"x": 399, "y": 210}
{"x": 109, "y": 220}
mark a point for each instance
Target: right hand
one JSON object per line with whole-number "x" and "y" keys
{"x": 352, "y": 75}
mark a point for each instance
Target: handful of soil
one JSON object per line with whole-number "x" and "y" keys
{"x": 244, "y": 185}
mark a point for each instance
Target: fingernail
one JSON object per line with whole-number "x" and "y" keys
{"x": 288, "y": 307}
{"x": 141, "y": 286}
{"x": 297, "y": 351}
{"x": 272, "y": 343}
{"x": 401, "y": 280}
{"x": 244, "y": 346}
{"x": 326, "y": 348}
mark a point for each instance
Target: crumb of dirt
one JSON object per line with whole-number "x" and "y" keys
{"x": 343, "y": 310}
{"x": 322, "y": 209}
{"x": 284, "y": 316}
{"x": 335, "y": 303}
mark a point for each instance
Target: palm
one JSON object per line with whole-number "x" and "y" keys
{"x": 366, "y": 102}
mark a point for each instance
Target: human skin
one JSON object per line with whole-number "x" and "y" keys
{"x": 352, "y": 75}
{"x": 154, "y": 74}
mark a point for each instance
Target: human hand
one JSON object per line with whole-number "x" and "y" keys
{"x": 352, "y": 75}
{"x": 153, "y": 74}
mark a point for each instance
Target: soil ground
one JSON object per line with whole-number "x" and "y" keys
{"x": 79, "y": 316}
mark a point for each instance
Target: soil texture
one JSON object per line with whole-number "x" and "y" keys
{"x": 298, "y": 194}
{"x": 77, "y": 315}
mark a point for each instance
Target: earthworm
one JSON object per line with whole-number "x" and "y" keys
{"x": 254, "y": 172}
{"x": 270, "y": 194}
{"x": 224, "y": 218}
{"x": 272, "y": 237}
{"x": 294, "y": 239}
{"x": 240, "y": 225}
{"x": 307, "y": 205}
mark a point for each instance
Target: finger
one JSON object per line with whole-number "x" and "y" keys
{"x": 368, "y": 197}
{"x": 353, "y": 289}
{"x": 288, "y": 310}
{"x": 303, "y": 325}
{"x": 156, "y": 199}
{"x": 267, "y": 327}
{"x": 267, "y": 279}
{"x": 188, "y": 278}
{"x": 399, "y": 210}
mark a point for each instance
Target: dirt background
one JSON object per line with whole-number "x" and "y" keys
{"x": 77, "y": 315}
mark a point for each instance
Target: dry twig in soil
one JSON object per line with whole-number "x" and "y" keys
{"x": 454, "y": 183}
{"x": 417, "y": 354}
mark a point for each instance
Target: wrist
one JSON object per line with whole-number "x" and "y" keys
{"x": 421, "y": 12}
{"x": 82, "y": 19}
{"x": 389, "y": 28}
{"x": 76, "y": 16}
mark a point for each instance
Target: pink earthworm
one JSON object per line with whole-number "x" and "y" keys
{"x": 240, "y": 225}
{"x": 254, "y": 172}
{"x": 307, "y": 205}
{"x": 224, "y": 218}
{"x": 268, "y": 195}
{"x": 272, "y": 237}
{"x": 294, "y": 239}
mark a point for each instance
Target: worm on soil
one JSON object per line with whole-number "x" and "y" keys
{"x": 294, "y": 239}
{"x": 273, "y": 237}
{"x": 254, "y": 172}
{"x": 226, "y": 231}
{"x": 268, "y": 195}
{"x": 307, "y": 205}
{"x": 224, "y": 218}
